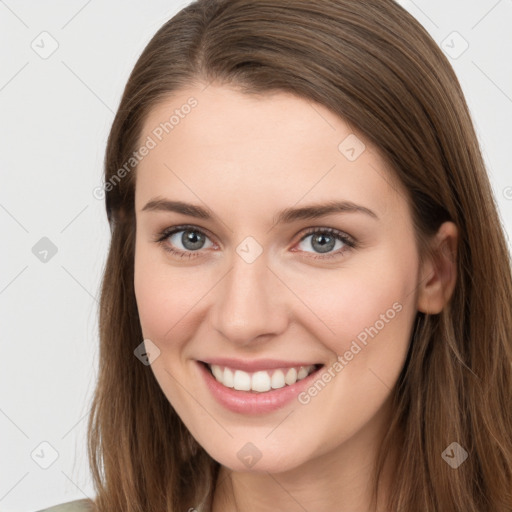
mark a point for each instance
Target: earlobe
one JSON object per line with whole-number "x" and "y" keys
{"x": 438, "y": 275}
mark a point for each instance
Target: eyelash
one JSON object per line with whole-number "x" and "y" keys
{"x": 338, "y": 235}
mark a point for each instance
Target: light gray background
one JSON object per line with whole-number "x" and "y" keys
{"x": 55, "y": 116}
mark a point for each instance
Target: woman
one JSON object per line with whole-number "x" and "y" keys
{"x": 307, "y": 299}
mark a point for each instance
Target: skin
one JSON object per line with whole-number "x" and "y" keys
{"x": 245, "y": 158}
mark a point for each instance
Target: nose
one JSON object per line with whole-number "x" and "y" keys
{"x": 250, "y": 303}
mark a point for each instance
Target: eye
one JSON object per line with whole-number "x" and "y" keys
{"x": 190, "y": 238}
{"x": 324, "y": 240}
{"x": 192, "y": 241}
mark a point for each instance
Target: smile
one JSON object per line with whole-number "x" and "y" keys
{"x": 262, "y": 380}
{"x": 256, "y": 386}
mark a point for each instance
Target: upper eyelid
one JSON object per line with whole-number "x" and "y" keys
{"x": 166, "y": 232}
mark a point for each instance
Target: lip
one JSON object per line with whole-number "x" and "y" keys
{"x": 254, "y": 403}
{"x": 255, "y": 365}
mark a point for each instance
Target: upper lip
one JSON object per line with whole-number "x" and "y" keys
{"x": 255, "y": 364}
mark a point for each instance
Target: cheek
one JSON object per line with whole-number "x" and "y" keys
{"x": 168, "y": 298}
{"x": 373, "y": 301}
{"x": 371, "y": 310}
{"x": 160, "y": 301}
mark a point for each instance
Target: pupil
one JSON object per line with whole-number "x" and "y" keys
{"x": 191, "y": 240}
{"x": 324, "y": 246}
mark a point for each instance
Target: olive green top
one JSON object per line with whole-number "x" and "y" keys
{"x": 84, "y": 506}
{"x": 71, "y": 506}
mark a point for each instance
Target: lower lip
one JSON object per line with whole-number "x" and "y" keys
{"x": 247, "y": 402}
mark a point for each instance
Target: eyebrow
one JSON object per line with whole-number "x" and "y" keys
{"x": 286, "y": 216}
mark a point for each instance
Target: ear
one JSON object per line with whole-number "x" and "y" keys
{"x": 438, "y": 274}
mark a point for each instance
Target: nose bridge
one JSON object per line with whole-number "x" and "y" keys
{"x": 247, "y": 305}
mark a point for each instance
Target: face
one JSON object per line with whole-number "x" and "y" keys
{"x": 281, "y": 290}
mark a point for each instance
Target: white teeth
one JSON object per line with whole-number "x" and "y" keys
{"x": 303, "y": 372}
{"x": 227, "y": 378}
{"x": 242, "y": 381}
{"x": 291, "y": 376}
{"x": 260, "y": 381}
{"x": 278, "y": 380}
{"x": 217, "y": 372}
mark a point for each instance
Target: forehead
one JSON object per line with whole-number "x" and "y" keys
{"x": 229, "y": 147}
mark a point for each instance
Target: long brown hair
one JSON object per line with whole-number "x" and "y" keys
{"x": 375, "y": 66}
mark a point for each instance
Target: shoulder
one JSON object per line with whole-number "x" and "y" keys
{"x": 72, "y": 506}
